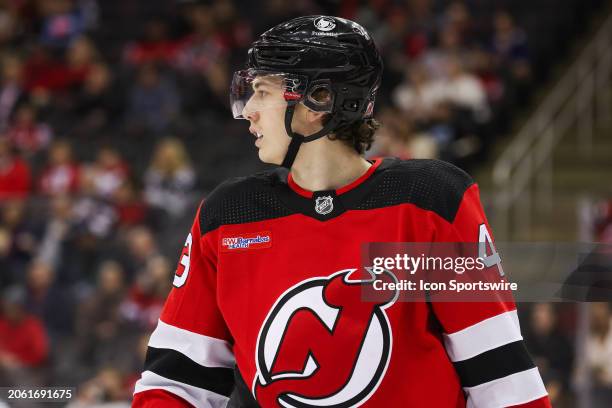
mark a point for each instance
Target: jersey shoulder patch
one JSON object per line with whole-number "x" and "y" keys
{"x": 243, "y": 199}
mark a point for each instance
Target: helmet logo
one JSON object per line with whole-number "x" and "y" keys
{"x": 292, "y": 92}
{"x": 325, "y": 23}
{"x": 324, "y": 205}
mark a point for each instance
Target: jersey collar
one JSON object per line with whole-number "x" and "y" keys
{"x": 328, "y": 204}
{"x": 344, "y": 189}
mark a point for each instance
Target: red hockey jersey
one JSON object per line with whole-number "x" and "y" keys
{"x": 264, "y": 311}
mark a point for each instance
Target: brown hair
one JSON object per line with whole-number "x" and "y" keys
{"x": 358, "y": 135}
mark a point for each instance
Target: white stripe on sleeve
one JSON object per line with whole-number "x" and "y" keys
{"x": 515, "y": 389}
{"x": 198, "y": 397}
{"x": 204, "y": 350}
{"x": 483, "y": 336}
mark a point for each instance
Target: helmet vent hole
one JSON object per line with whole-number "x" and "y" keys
{"x": 283, "y": 56}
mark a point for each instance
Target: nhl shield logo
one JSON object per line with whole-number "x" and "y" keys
{"x": 325, "y": 23}
{"x": 324, "y": 205}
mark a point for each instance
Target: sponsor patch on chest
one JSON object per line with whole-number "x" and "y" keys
{"x": 255, "y": 240}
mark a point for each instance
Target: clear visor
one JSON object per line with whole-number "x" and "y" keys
{"x": 256, "y": 90}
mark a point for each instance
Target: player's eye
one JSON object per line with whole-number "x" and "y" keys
{"x": 261, "y": 93}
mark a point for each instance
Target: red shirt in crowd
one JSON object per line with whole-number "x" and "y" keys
{"x": 152, "y": 51}
{"x": 53, "y": 76}
{"x": 142, "y": 307}
{"x": 26, "y": 340}
{"x": 15, "y": 179}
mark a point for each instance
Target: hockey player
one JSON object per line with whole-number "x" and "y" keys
{"x": 266, "y": 308}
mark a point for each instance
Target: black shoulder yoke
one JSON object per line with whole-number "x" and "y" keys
{"x": 432, "y": 185}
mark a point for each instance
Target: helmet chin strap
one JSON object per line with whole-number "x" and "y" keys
{"x": 297, "y": 139}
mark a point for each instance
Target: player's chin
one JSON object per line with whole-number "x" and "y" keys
{"x": 267, "y": 157}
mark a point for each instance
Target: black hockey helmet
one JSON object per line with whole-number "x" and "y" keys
{"x": 312, "y": 54}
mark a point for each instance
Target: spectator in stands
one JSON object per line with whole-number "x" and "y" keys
{"x": 9, "y": 21}
{"x": 97, "y": 102}
{"x": 46, "y": 74}
{"x": 398, "y": 138}
{"x": 370, "y": 15}
{"x": 23, "y": 340}
{"x": 141, "y": 248}
{"x": 51, "y": 302}
{"x": 20, "y": 240}
{"x": 509, "y": 45}
{"x": 27, "y": 133}
{"x": 470, "y": 111}
{"x": 203, "y": 61}
{"x": 392, "y": 38}
{"x": 234, "y": 30}
{"x": 418, "y": 97}
{"x": 81, "y": 56}
{"x": 551, "y": 349}
{"x": 603, "y": 224}
{"x": 156, "y": 46}
{"x": 203, "y": 54}
{"x": 511, "y": 55}
{"x": 7, "y": 275}
{"x": 106, "y": 388}
{"x": 56, "y": 244}
{"x": 147, "y": 295}
{"x": 61, "y": 175}
{"x": 464, "y": 90}
{"x": 94, "y": 215}
{"x": 457, "y": 16}
{"x": 170, "y": 178}
{"x": 107, "y": 173}
{"x": 99, "y": 325}
{"x": 153, "y": 101}
{"x": 131, "y": 209}
{"x": 450, "y": 43}
{"x": 137, "y": 360}
{"x": 12, "y": 93}
{"x": 425, "y": 102}
{"x": 65, "y": 20}
{"x": 598, "y": 353}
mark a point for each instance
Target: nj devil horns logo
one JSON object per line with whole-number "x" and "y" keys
{"x": 323, "y": 345}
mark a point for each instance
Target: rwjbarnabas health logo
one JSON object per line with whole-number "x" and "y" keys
{"x": 256, "y": 240}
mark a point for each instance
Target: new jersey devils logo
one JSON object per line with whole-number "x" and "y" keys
{"x": 323, "y": 345}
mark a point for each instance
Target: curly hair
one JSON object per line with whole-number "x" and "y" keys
{"x": 358, "y": 135}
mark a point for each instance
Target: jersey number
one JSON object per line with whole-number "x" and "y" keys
{"x": 484, "y": 240}
{"x": 180, "y": 278}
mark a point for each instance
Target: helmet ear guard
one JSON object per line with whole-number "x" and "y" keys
{"x": 351, "y": 103}
{"x": 320, "y": 96}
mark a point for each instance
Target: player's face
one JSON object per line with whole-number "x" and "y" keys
{"x": 265, "y": 110}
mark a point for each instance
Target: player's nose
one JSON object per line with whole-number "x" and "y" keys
{"x": 249, "y": 113}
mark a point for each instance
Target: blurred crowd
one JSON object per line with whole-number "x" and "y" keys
{"x": 114, "y": 123}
